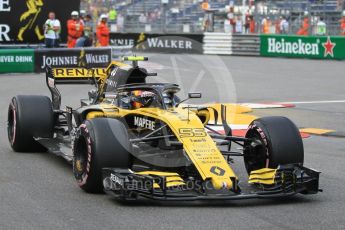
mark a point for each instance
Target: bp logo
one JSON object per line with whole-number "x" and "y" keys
{"x": 329, "y": 46}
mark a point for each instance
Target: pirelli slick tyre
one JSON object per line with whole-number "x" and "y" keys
{"x": 28, "y": 117}
{"x": 281, "y": 143}
{"x": 99, "y": 143}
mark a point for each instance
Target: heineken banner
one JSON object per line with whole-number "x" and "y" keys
{"x": 321, "y": 47}
{"x": 77, "y": 57}
{"x": 16, "y": 60}
{"x": 21, "y": 21}
{"x": 172, "y": 43}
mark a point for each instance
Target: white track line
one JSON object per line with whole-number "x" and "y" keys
{"x": 313, "y": 102}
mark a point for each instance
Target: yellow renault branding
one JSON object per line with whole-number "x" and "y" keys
{"x": 78, "y": 73}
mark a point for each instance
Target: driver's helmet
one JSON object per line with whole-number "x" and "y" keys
{"x": 141, "y": 99}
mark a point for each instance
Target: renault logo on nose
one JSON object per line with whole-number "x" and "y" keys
{"x": 217, "y": 171}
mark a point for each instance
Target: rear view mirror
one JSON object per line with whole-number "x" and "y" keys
{"x": 194, "y": 95}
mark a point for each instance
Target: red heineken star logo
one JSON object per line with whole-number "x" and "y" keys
{"x": 329, "y": 46}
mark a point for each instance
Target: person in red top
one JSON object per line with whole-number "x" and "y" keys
{"x": 251, "y": 25}
{"x": 102, "y": 31}
{"x": 342, "y": 24}
{"x": 304, "y": 30}
{"x": 75, "y": 28}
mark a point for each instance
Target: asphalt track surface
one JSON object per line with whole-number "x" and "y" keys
{"x": 37, "y": 191}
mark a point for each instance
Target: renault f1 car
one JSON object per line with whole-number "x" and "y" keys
{"x": 134, "y": 139}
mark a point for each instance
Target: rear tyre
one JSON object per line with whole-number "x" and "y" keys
{"x": 100, "y": 143}
{"x": 28, "y": 117}
{"x": 281, "y": 143}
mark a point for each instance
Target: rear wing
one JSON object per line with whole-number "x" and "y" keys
{"x": 68, "y": 75}
{"x": 77, "y": 75}
{"x": 94, "y": 76}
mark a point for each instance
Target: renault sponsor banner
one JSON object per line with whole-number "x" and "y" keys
{"x": 21, "y": 21}
{"x": 171, "y": 43}
{"x": 78, "y": 57}
{"x": 16, "y": 60}
{"x": 321, "y": 47}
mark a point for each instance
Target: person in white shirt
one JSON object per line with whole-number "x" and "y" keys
{"x": 52, "y": 28}
{"x": 321, "y": 27}
{"x": 238, "y": 25}
{"x": 284, "y": 26}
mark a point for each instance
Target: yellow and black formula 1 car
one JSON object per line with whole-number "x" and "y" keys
{"x": 137, "y": 140}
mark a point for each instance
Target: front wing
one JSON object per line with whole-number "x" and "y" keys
{"x": 125, "y": 184}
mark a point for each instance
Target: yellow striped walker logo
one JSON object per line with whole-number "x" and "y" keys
{"x": 34, "y": 8}
{"x": 303, "y": 46}
{"x": 21, "y": 21}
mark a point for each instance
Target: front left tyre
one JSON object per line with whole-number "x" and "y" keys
{"x": 274, "y": 141}
{"x": 29, "y": 116}
{"x": 100, "y": 143}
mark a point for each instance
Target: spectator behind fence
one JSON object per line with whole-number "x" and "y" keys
{"x": 82, "y": 15}
{"x": 284, "y": 26}
{"x": 277, "y": 25}
{"x": 252, "y": 24}
{"x": 205, "y": 5}
{"x": 238, "y": 25}
{"x": 103, "y": 31}
{"x": 120, "y": 21}
{"x": 112, "y": 15}
{"x": 247, "y": 23}
{"x": 75, "y": 28}
{"x": 321, "y": 27}
{"x": 52, "y": 28}
{"x": 342, "y": 24}
{"x": 304, "y": 30}
{"x": 143, "y": 19}
{"x": 87, "y": 39}
{"x": 266, "y": 24}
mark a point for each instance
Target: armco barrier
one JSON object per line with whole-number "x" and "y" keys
{"x": 16, "y": 60}
{"x": 217, "y": 43}
{"x": 245, "y": 44}
{"x": 231, "y": 44}
{"x": 76, "y": 57}
{"x": 318, "y": 47}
